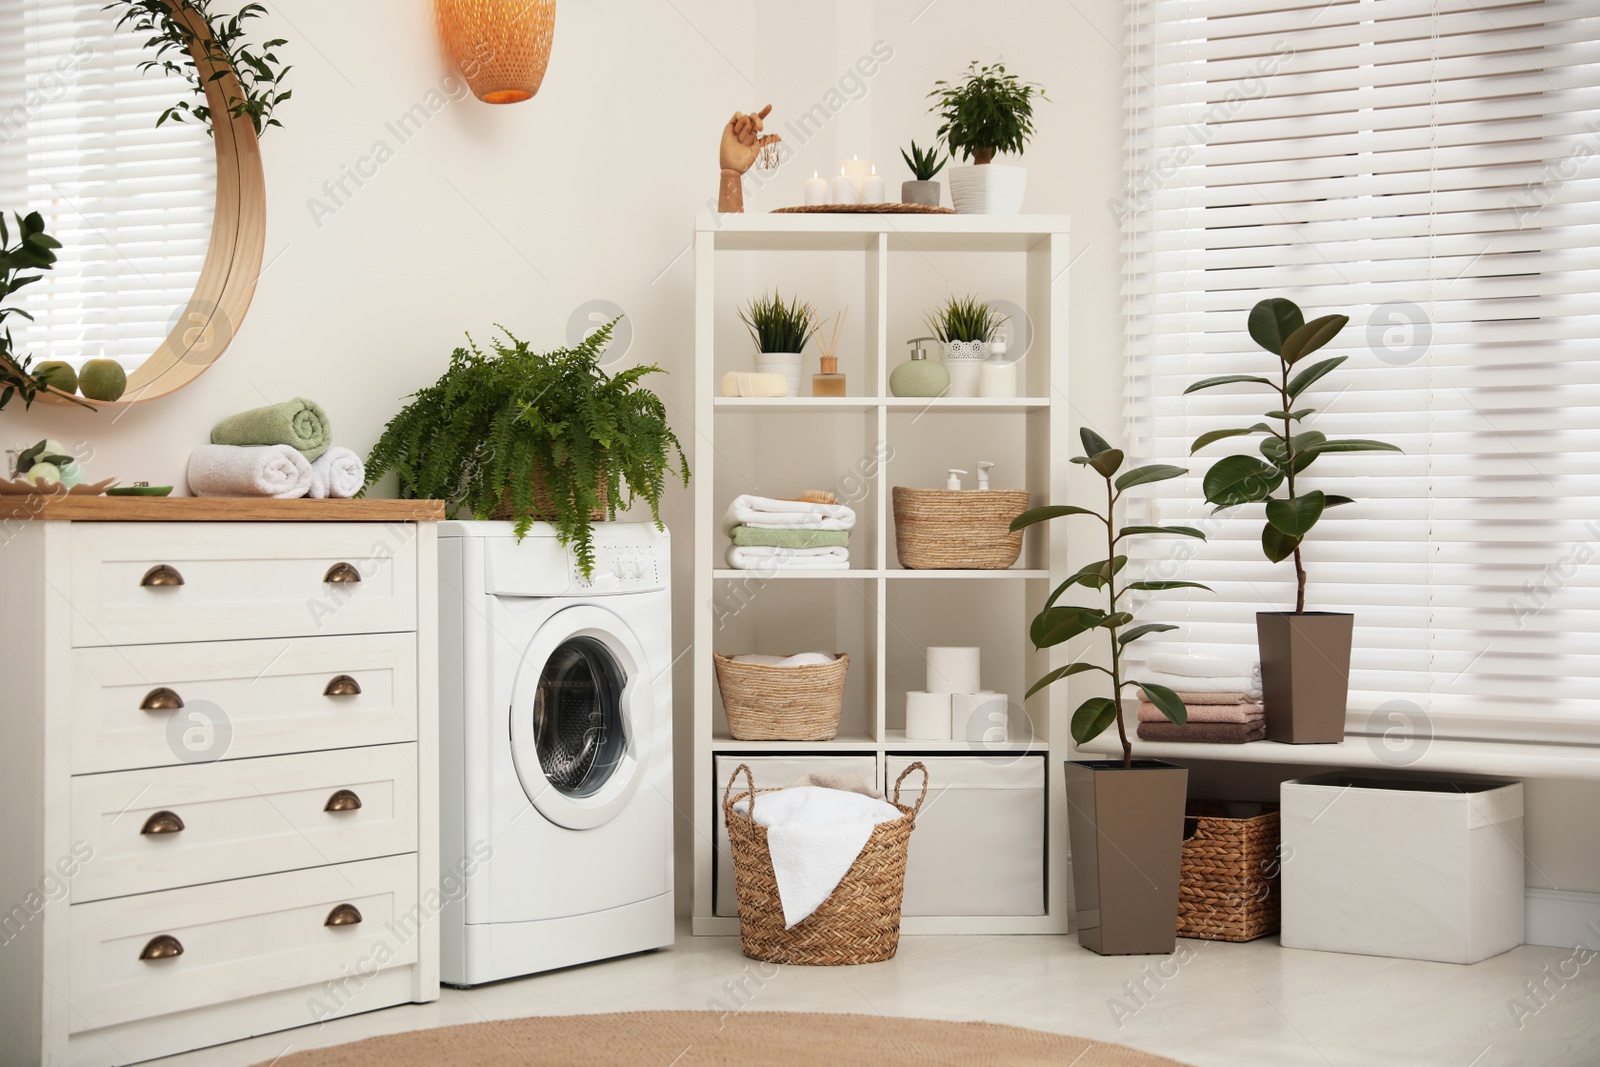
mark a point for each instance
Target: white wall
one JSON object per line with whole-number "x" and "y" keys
{"x": 515, "y": 215}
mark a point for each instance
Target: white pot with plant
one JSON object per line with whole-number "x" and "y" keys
{"x": 964, "y": 325}
{"x": 989, "y": 112}
{"x": 924, "y": 164}
{"x": 780, "y": 332}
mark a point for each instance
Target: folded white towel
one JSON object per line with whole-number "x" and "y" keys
{"x": 814, "y": 835}
{"x": 802, "y": 659}
{"x": 235, "y": 470}
{"x": 748, "y": 558}
{"x": 1203, "y": 666}
{"x": 338, "y": 473}
{"x": 764, "y": 512}
{"x": 1248, "y": 685}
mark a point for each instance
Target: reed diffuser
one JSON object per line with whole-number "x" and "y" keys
{"x": 830, "y": 382}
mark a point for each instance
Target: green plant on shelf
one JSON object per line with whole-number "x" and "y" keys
{"x": 924, "y": 163}
{"x": 987, "y": 112}
{"x": 21, "y": 265}
{"x": 779, "y": 327}
{"x": 964, "y": 318}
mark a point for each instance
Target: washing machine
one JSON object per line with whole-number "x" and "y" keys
{"x": 555, "y": 715}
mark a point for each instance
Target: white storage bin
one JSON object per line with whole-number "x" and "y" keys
{"x": 771, "y": 772}
{"x": 1416, "y": 867}
{"x": 979, "y": 844}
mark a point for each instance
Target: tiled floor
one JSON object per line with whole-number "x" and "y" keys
{"x": 1211, "y": 1005}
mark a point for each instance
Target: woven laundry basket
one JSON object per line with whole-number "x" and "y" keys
{"x": 860, "y": 920}
{"x": 782, "y": 703}
{"x": 957, "y": 529}
{"x": 1228, "y": 888}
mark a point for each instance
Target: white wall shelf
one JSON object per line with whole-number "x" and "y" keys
{"x": 878, "y": 612}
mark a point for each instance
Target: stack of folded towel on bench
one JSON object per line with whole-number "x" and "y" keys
{"x": 1223, "y": 697}
{"x": 768, "y": 533}
{"x": 281, "y": 451}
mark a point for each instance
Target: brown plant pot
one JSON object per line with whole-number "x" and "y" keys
{"x": 544, "y": 505}
{"x": 1126, "y": 826}
{"x": 1305, "y": 674}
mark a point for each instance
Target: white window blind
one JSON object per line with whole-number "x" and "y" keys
{"x": 1431, "y": 169}
{"x": 130, "y": 202}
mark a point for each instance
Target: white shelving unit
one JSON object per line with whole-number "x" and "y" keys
{"x": 879, "y": 612}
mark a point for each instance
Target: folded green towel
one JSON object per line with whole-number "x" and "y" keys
{"x": 298, "y": 423}
{"x": 752, "y": 537}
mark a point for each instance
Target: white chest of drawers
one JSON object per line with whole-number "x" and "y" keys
{"x": 218, "y": 771}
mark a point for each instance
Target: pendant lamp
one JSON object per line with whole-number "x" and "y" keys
{"x": 501, "y": 46}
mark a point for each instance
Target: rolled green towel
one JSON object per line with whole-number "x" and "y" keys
{"x": 754, "y": 537}
{"x": 298, "y": 423}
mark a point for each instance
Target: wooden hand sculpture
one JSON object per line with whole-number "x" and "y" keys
{"x": 741, "y": 146}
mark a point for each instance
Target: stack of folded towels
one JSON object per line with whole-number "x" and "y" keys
{"x": 772, "y": 534}
{"x": 1223, "y": 697}
{"x": 281, "y": 451}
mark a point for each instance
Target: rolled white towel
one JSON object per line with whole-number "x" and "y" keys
{"x": 802, "y": 659}
{"x": 749, "y": 558}
{"x": 768, "y": 513}
{"x": 1203, "y": 666}
{"x": 337, "y": 473}
{"x": 277, "y": 471}
{"x": 1248, "y": 685}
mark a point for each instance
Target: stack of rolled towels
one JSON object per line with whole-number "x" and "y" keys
{"x": 1223, "y": 698}
{"x": 281, "y": 451}
{"x": 768, "y": 533}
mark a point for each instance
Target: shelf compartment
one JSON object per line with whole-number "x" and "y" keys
{"x": 795, "y": 404}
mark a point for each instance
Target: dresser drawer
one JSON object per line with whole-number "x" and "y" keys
{"x": 239, "y": 580}
{"x": 239, "y": 939}
{"x": 181, "y": 826}
{"x": 240, "y": 699}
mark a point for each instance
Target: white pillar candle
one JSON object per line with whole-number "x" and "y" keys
{"x": 816, "y": 190}
{"x": 874, "y": 193}
{"x": 857, "y": 171}
{"x": 844, "y": 190}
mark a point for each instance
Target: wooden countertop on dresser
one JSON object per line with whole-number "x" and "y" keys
{"x": 215, "y": 509}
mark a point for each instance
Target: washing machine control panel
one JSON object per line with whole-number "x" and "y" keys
{"x": 622, "y": 568}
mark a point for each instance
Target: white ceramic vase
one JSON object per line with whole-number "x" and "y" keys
{"x": 788, "y": 364}
{"x": 988, "y": 188}
{"x": 964, "y": 361}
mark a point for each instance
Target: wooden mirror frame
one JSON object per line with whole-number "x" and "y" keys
{"x": 232, "y": 266}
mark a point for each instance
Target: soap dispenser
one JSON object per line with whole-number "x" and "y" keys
{"x": 984, "y": 467}
{"x": 919, "y": 376}
{"x": 953, "y": 481}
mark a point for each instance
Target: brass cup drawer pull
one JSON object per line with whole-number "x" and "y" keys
{"x": 162, "y": 822}
{"x": 343, "y": 800}
{"x": 161, "y": 699}
{"x": 342, "y": 686}
{"x": 343, "y": 915}
{"x": 162, "y": 947}
{"x": 341, "y": 572}
{"x": 161, "y": 575}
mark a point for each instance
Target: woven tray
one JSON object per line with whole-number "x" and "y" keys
{"x": 864, "y": 209}
{"x": 957, "y": 529}
{"x": 860, "y": 920}
{"x": 782, "y": 703}
{"x": 1228, "y": 889}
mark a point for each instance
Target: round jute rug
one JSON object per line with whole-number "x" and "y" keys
{"x": 738, "y": 1039}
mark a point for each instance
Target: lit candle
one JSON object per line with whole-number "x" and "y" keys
{"x": 844, "y": 190}
{"x": 873, "y": 193}
{"x": 857, "y": 170}
{"x": 816, "y": 190}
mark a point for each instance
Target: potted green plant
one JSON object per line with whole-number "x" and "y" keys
{"x": 780, "y": 331}
{"x": 987, "y": 112}
{"x": 1124, "y": 816}
{"x": 526, "y": 436}
{"x": 924, "y": 164}
{"x": 1305, "y": 655}
{"x": 964, "y": 325}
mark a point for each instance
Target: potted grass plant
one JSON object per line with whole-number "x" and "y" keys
{"x": 1124, "y": 816}
{"x": 964, "y": 325}
{"x": 780, "y": 331}
{"x": 534, "y": 436}
{"x": 988, "y": 111}
{"x": 924, "y": 164}
{"x": 1305, "y": 655}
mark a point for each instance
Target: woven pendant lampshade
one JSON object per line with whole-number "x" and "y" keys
{"x": 501, "y": 46}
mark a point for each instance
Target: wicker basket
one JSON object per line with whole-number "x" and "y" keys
{"x": 860, "y": 920}
{"x": 1228, "y": 890}
{"x": 957, "y": 529}
{"x": 782, "y": 703}
{"x": 544, "y": 504}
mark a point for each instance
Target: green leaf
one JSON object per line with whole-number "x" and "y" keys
{"x": 1055, "y": 625}
{"x": 1295, "y": 518}
{"x": 1273, "y": 321}
{"x": 1296, "y": 415}
{"x": 1303, "y": 381}
{"x": 1352, "y": 444}
{"x": 1213, "y": 436}
{"x": 1182, "y": 531}
{"x": 1166, "y": 700}
{"x": 1277, "y": 545}
{"x": 1312, "y": 336}
{"x": 1093, "y": 443}
{"x": 1228, "y": 379}
{"x": 1060, "y": 673}
{"x": 1159, "y": 586}
{"x": 1092, "y": 718}
{"x": 1111, "y": 622}
{"x": 1127, "y": 637}
{"x": 1154, "y": 472}
{"x": 1107, "y": 462}
{"x": 1334, "y": 501}
{"x": 1053, "y": 511}
{"x": 1240, "y": 480}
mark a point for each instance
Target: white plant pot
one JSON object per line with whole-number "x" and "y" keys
{"x": 788, "y": 364}
{"x": 988, "y": 188}
{"x": 964, "y": 361}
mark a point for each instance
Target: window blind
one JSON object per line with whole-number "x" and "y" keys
{"x": 1431, "y": 169}
{"x": 131, "y": 202}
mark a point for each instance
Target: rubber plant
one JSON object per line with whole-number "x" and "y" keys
{"x": 1287, "y": 447}
{"x": 987, "y": 112}
{"x": 22, "y": 264}
{"x": 534, "y": 436}
{"x": 1057, "y": 623}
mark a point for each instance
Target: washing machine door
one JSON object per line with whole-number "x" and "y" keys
{"x": 580, "y": 706}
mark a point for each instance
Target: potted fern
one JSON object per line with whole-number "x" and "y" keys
{"x": 987, "y": 112}
{"x": 964, "y": 325}
{"x": 924, "y": 164}
{"x": 780, "y": 332}
{"x": 534, "y": 436}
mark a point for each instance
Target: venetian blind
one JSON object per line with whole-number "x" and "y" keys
{"x": 1431, "y": 169}
{"x": 130, "y": 202}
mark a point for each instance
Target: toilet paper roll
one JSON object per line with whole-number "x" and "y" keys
{"x": 979, "y": 717}
{"x": 927, "y": 716}
{"x": 953, "y": 670}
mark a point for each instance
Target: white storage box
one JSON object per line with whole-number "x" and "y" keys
{"x": 771, "y": 772}
{"x": 1416, "y": 867}
{"x": 979, "y": 844}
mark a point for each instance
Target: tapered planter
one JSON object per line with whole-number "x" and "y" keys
{"x": 1127, "y": 850}
{"x": 925, "y": 193}
{"x": 1305, "y": 674}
